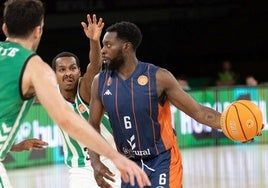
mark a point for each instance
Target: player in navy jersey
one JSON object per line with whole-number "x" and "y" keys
{"x": 137, "y": 97}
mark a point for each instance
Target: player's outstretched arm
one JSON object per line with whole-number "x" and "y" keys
{"x": 29, "y": 144}
{"x": 92, "y": 30}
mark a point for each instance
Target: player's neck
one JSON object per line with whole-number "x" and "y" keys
{"x": 127, "y": 69}
{"x": 68, "y": 95}
{"x": 26, "y": 43}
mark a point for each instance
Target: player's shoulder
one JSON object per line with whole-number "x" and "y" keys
{"x": 36, "y": 59}
{"x": 36, "y": 63}
{"x": 162, "y": 71}
{"x": 164, "y": 76}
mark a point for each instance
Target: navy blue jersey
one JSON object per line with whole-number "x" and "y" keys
{"x": 142, "y": 127}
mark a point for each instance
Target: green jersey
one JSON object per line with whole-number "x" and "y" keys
{"x": 14, "y": 107}
{"x": 75, "y": 153}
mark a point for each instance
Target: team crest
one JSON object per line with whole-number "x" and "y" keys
{"x": 81, "y": 108}
{"x": 143, "y": 80}
{"x": 109, "y": 81}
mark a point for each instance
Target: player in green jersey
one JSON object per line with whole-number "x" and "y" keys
{"x": 24, "y": 75}
{"x": 76, "y": 90}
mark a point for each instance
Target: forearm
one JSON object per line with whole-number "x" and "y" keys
{"x": 95, "y": 52}
{"x": 80, "y": 130}
{"x": 209, "y": 117}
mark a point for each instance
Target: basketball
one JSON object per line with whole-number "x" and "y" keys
{"x": 241, "y": 121}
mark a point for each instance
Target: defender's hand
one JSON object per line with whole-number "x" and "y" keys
{"x": 94, "y": 28}
{"x": 29, "y": 144}
{"x": 101, "y": 172}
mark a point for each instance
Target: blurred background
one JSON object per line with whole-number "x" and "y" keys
{"x": 190, "y": 37}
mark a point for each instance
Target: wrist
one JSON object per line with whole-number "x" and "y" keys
{"x": 94, "y": 41}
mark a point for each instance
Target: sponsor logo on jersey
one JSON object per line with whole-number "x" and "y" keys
{"x": 131, "y": 153}
{"x": 143, "y": 80}
{"x": 107, "y": 92}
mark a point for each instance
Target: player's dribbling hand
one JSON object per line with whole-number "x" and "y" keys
{"x": 260, "y": 133}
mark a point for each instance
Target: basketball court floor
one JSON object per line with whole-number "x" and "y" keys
{"x": 237, "y": 166}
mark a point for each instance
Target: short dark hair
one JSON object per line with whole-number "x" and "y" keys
{"x": 127, "y": 31}
{"x": 64, "y": 54}
{"x": 22, "y": 16}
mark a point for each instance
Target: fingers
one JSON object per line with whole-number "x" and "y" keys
{"x": 108, "y": 177}
{"x": 35, "y": 144}
{"x": 100, "y": 23}
{"x": 89, "y": 19}
{"x": 259, "y": 134}
{"x": 130, "y": 172}
{"x": 102, "y": 183}
{"x": 40, "y": 142}
{"x": 84, "y": 25}
{"x": 94, "y": 18}
{"x": 134, "y": 172}
{"x": 125, "y": 177}
{"x": 141, "y": 178}
{"x": 94, "y": 27}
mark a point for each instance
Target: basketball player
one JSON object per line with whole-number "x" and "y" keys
{"x": 137, "y": 97}
{"x": 76, "y": 90}
{"x": 23, "y": 74}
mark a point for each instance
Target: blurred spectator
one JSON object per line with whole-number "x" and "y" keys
{"x": 183, "y": 81}
{"x": 227, "y": 76}
{"x": 251, "y": 81}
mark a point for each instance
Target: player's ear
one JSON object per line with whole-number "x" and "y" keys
{"x": 127, "y": 45}
{"x": 38, "y": 31}
{"x": 4, "y": 29}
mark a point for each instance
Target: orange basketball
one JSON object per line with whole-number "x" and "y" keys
{"x": 241, "y": 121}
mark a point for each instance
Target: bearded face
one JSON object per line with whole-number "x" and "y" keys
{"x": 112, "y": 51}
{"x": 116, "y": 62}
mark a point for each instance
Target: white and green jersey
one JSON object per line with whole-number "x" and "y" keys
{"x": 13, "y": 107}
{"x": 75, "y": 153}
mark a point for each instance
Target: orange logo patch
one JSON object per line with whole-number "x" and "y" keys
{"x": 142, "y": 80}
{"x": 81, "y": 108}
{"x": 109, "y": 81}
